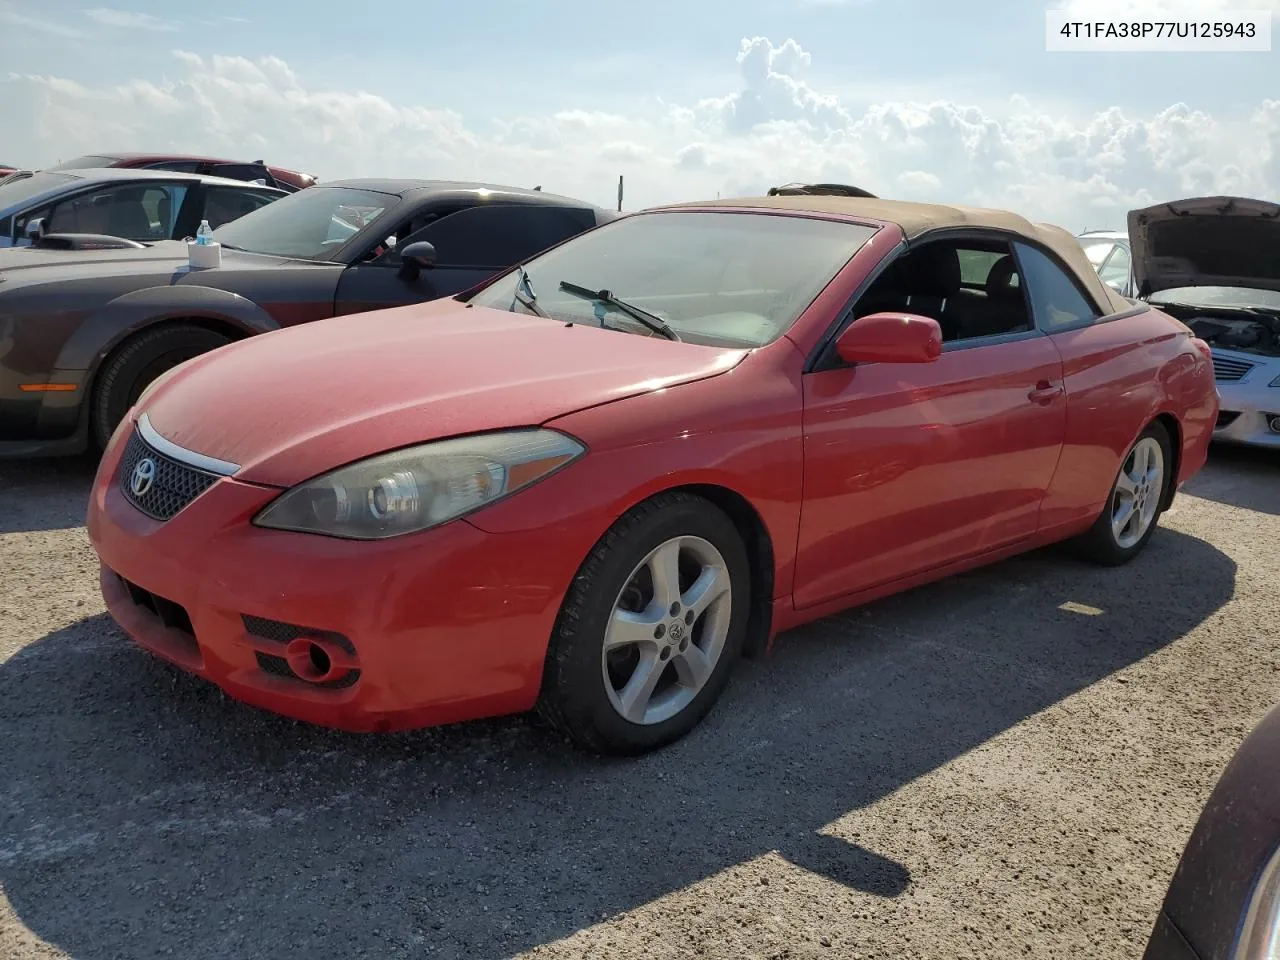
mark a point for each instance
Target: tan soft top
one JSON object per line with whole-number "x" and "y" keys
{"x": 918, "y": 219}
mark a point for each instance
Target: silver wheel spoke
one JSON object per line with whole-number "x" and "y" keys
{"x": 635, "y": 696}
{"x": 627, "y": 627}
{"x": 1126, "y": 486}
{"x": 1123, "y": 517}
{"x": 664, "y": 567}
{"x": 711, "y": 584}
{"x": 684, "y": 630}
{"x": 693, "y": 667}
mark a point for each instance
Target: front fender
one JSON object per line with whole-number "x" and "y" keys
{"x": 111, "y": 323}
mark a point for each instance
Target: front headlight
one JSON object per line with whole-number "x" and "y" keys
{"x": 1259, "y": 937}
{"x": 420, "y": 487}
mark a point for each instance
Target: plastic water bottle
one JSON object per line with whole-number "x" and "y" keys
{"x": 205, "y": 234}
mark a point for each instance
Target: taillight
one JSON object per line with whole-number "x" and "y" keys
{"x": 1202, "y": 347}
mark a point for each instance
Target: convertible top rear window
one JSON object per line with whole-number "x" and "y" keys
{"x": 735, "y": 279}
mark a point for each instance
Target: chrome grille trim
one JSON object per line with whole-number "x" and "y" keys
{"x": 223, "y": 468}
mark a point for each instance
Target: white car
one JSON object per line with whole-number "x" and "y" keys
{"x": 1214, "y": 263}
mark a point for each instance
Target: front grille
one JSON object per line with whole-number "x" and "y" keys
{"x": 1226, "y": 369}
{"x": 173, "y": 484}
{"x": 172, "y": 615}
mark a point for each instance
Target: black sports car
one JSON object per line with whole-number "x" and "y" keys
{"x": 84, "y": 331}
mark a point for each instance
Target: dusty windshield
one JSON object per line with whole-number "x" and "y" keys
{"x": 311, "y": 224}
{"x": 738, "y": 279}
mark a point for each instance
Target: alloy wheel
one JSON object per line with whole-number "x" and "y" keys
{"x": 1138, "y": 491}
{"x": 667, "y": 630}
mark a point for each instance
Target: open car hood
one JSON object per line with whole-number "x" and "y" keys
{"x": 1206, "y": 241}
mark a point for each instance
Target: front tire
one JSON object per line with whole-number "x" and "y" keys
{"x": 1133, "y": 508}
{"x": 136, "y": 363}
{"x": 650, "y": 628}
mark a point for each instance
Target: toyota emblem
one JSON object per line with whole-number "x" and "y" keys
{"x": 144, "y": 474}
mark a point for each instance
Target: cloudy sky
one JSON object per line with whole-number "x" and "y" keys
{"x": 924, "y": 99}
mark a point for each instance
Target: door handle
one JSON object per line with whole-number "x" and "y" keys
{"x": 1045, "y": 392}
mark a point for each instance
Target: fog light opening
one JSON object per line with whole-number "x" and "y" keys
{"x": 309, "y": 660}
{"x": 1274, "y": 424}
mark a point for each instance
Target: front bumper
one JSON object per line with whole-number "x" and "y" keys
{"x": 1250, "y": 409}
{"x": 433, "y": 628}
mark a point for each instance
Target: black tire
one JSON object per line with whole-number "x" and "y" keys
{"x": 573, "y": 698}
{"x": 137, "y": 362}
{"x": 1099, "y": 544}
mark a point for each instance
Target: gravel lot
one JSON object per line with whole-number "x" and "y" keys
{"x": 970, "y": 770}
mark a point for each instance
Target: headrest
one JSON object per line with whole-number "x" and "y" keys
{"x": 934, "y": 270}
{"x": 1000, "y": 285}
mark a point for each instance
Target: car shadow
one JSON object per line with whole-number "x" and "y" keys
{"x": 48, "y": 494}
{"x": 1240, "y": 476}
{"x": 144, "y": 813}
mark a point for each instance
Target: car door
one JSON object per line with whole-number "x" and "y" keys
{"x": 1107, "y": 374}
{"x": 471, "y": 245}
{"x": 910, "y": 467}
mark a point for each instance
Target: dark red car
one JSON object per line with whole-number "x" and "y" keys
{"x": 184, "y": 163}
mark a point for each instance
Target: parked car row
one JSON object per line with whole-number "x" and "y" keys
{"x": 613, "y": 454}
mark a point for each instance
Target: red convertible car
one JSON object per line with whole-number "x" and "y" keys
{"x": 589, "y": 485}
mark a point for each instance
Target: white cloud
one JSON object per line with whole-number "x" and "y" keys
{"x": 776, "y": 128}
{"x": 128, "y": 20}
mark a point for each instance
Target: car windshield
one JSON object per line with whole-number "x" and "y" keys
{"x": 308, "y": 225}
{"x": 738, "y": 279}
{"x": 1208, "y": 296}
{"x": 1096, "y": 250}
{"x": 21, "y": 189}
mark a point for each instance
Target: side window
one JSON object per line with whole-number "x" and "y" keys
{"x": 1116, "y": 270}
{"x": 971, "y": 287}
{"x": 130, "y": 210}
{"x": 1056, "y": 301}
{"x": 496, "y": 236}
{"x": 224, "y": 204}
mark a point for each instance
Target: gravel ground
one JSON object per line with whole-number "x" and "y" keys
{"x": 1001, "y": 765}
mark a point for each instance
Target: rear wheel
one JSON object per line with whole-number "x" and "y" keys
{"x": 1133, "y": 509}
{"x": 137, "y": 362}
{"x": 649, "y": 630}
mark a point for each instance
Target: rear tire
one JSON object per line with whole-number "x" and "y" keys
{"x": 1133, "y": 508}
{"x": 135, "y": 364}
{"x": 682, "y": 632}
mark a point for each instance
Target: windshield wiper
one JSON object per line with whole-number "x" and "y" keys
{"x": 650, "y": 320}
{"x": 526, "y": 297}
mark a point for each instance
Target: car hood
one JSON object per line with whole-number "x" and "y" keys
{"x": 1206, "y": 241}
{"x": 294, "y": 403}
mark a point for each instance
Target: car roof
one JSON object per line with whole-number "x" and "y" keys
{"x": 917, "y": 219}
{"x": 107, "y": 174}
{"x": 407, "y": 188}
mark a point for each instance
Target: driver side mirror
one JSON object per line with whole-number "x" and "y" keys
{"x": 890, "y": 338}
{"x": 416, "y": 257}
{"x": 35, "y": 229}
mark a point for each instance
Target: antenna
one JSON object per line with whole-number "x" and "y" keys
{"x": 619, "y": 193}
